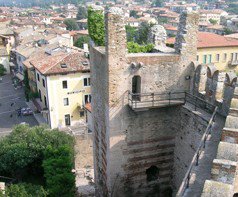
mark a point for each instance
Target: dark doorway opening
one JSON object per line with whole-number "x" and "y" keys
{"x": 152, "y": 173}
{"x": 136, "y": 87}
{"x": 67, "y": 119}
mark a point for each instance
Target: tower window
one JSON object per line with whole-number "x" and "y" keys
{"x": 152, "y": 173}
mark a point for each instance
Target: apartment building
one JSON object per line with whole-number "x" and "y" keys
{"x": 217, "y": 49}
{"x": 216, "y": 14}
{"x": 62, "y": 78}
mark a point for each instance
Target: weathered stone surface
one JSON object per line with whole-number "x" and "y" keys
{"x": 128, "y": 142}
{"x": 227, "y": 151}
{"x": 214, "y": 188}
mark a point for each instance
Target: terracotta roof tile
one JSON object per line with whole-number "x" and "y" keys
{"x": 52, "y": 64}
{"x": 211, "y": 40}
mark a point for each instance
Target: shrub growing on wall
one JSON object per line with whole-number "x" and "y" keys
{"x": 136, "y": 48}
{"x": 96, "y": 27}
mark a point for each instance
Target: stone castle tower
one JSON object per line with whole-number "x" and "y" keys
{"x": 143, "y": 146}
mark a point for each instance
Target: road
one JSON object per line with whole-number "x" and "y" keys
{"x": 10, "y": 100}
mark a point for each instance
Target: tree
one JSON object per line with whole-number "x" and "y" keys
{"x": 227, "y": 31}
{"x": 133, "y": 13}
{"x": 25, "y": 190}
{"x": 143, "y": 32}
{"x": 158, "y": 3}
{"x": 212, "y": 21}
{"x": 131, "y": 33}
{"x": 81, "y": 40}
{"x": 22, "y": 151}
{"x": 162, "y": 20}
{"x": 82, "y": 13}
{"x": 136, "y": 48}
{"x": 96, "y": 26}
{"x": 2, "y": 70}
{"x": 71, "y": 24}
{"x": 58, "y": 164}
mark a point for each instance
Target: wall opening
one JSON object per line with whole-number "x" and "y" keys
{"x": 136, "y": 87}
{"x": 152, "y": 173}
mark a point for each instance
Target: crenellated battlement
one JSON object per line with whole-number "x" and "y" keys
{"x": 214, "y": 86}
{"x": 224, "y": 173}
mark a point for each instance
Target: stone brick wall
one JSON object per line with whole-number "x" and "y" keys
{"x": 128, "y": 142}
{"x": 99, "y": 89}
{"x": 188, "y": 136}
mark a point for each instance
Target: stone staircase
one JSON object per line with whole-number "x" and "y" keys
{"x": 223, "y": 180}
{"x": 202, "y": 172}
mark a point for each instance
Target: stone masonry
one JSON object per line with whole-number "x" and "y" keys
{"x": 129, "y": 143}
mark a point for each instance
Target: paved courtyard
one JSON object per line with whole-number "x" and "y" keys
{"x": 10, "y": 100}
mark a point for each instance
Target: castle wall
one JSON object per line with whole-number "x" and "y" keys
{"x": 129, "y": 142}
{"x": 148, "y": 139}
{"x": 192, "y": 127}
{"x": 99, "y": 88}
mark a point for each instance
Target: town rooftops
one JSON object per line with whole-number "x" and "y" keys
{"x": 61, "y": 62}
{"x": 211, "y": 40}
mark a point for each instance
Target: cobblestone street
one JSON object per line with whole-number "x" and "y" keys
{"x": 10, "y": 100}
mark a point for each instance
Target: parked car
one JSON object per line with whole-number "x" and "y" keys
{"x": 26, "y": 111}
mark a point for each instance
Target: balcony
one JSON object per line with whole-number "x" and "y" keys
{"x": 145, "y": 101}
{"x": 233, "y": 63}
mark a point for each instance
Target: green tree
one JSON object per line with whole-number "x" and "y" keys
{"x": 212, "y": 21}
{"x": 162, "y": 20}
{"x": 227, "y": 31}
{"x": 158, "y": 3}
{"x": 25, "y": 190}
{"x": 58, "y": 164}
{"x": 82, "y": 13}
{"x": 143, "y": 32}
{"x": 22, "y": 151}
{"x": 2, "y": 70}
{"x": 136, "y": 48}
{"x": 71, "y": 24}
{"x": 81, "y": 40}
{"x": 96, "y": 26}
{"x": 133, "y": 13}
{"x": 131, "y": 33}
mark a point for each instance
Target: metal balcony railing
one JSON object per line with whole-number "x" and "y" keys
{"x": 155, "y": 100}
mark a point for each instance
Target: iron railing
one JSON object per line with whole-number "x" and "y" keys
{"x": 137, "y": 100}
{"x": 140, "y": 100}
{"x": 195, "y": 161}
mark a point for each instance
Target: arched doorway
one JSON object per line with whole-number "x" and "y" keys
{"x": 152, "y": 173}
{"x": 136, "y": 87}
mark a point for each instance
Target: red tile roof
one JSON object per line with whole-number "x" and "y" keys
{"x": 210, "y": 40}
{"x": 51, "y": 64}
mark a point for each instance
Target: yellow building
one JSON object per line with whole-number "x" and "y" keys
{"x": 213, "y": 48}
{"x": 63, "y": 84}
